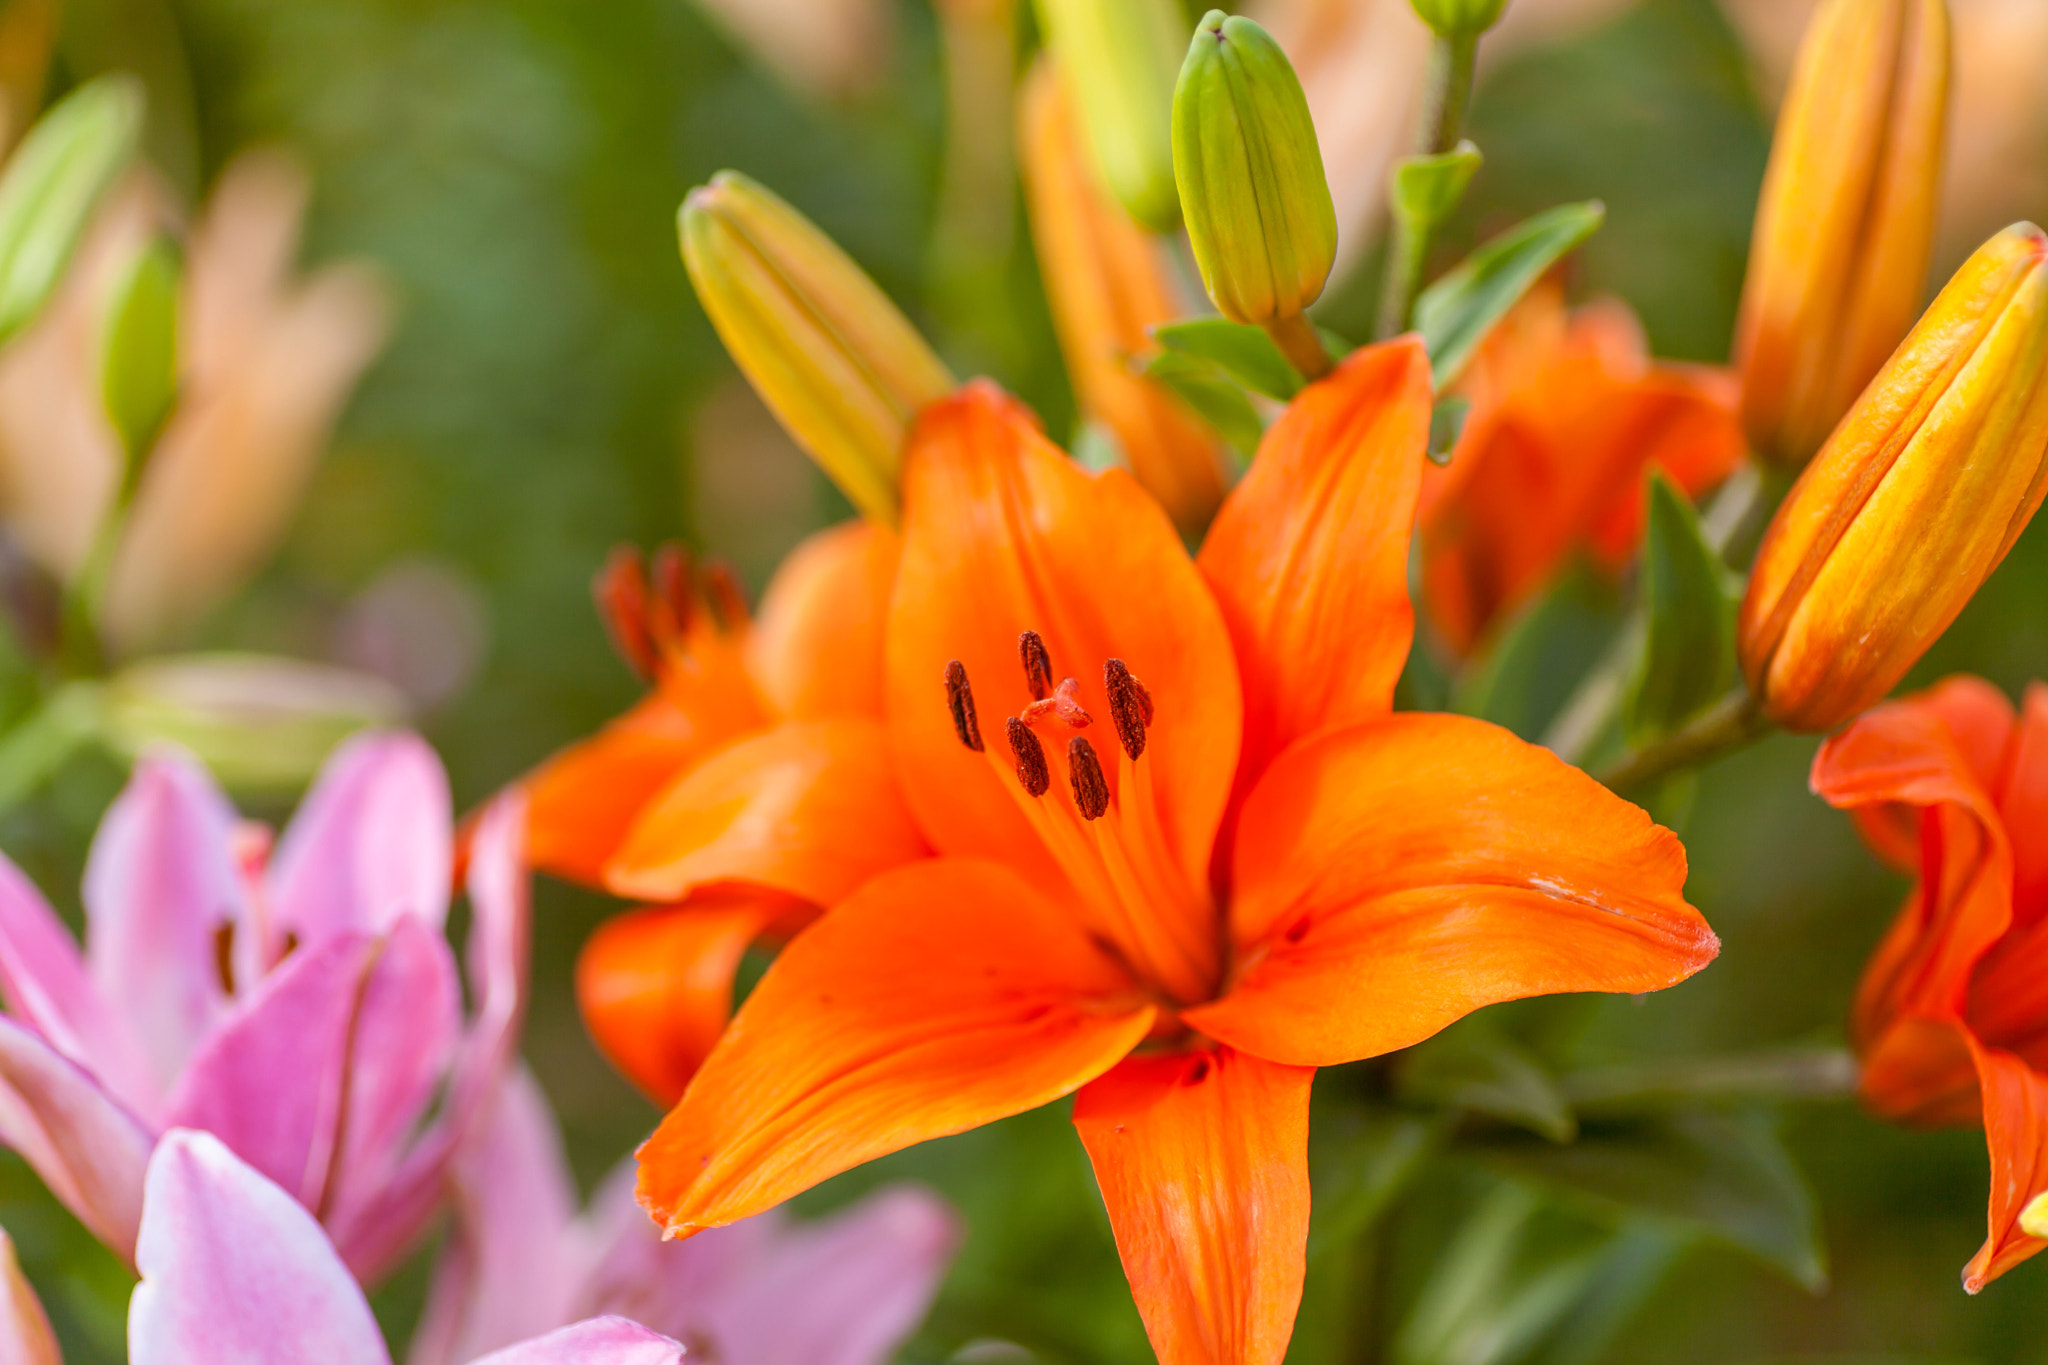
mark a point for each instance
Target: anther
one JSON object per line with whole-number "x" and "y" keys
{"x": 1064, "y": 705}
{"x": 1130, "y": 706}
{"x": 671, "y": 572}
{"x": 621, "y": 592}
{"x": 1032, "y": 770}
{"x": 1091, "y": 792}
{"x": 722, "y": 591}
{"x": 1037, "y": 664}
{"x": 960, "y": 701}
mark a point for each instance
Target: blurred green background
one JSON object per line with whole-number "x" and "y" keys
{"x": 552, "y": 389}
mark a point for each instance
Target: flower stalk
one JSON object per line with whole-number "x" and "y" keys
{"x": 1446, "y": 96}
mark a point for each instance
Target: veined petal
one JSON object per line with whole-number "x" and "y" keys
{"x": 25, "y": 1335}
{"x": 2016, "y": 1133}
{"x": 937, "y": 998}
{"x": 1203, "y": 1162}
{"x": 89, "y": 1150}
{"x": 1309, "y": 556}
{"x": 655, "y": 984}
{"x": 816, "y": 647}
{"x": 1003, "y": 534}
{"x": 600, "y": 1341}
{"x": 43, "y": 980}
{"x": 235, "y": 1272}
{"x": 1393, "y": 877}
{"x": 810, "y": 808}
{"x": 369, "y": 844}
{"x": 1980, "y": 722}
{"x": 2022, "y": 791}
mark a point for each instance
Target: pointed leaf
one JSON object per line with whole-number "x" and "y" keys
{"x": 1243, "y": 351}
{"x": 139, "y": 352}
{"x": 1427, "y": 188}
{"x": 1474, "y": 1068}
{"x": 1455, "y": 314}
{"x": 1446, "y": 425}
{"x": 1215, "y": 399}
{"x": 1689, "y": 652}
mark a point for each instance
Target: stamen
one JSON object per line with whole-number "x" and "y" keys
{"x": 1091, "y": 789}
{"x": 1032, "y": 769}
{"x": 1130, "y": 706}
{"x": 672, "y": 589}
{"x": 1037, "y": 664}
{"x": 722, "y": 591}
{"x": 960, "y": 701}
{"x": 622, "y": 598}
{"x": 1064, "y": 704}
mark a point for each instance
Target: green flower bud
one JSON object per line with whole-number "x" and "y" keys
{"x": 1459, "y": 18}
{"x": 1251, "y": 176}
{"x": 1118, "y": 56}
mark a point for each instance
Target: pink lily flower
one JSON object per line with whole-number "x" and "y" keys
{"x": 842, "y": 1290}
{"x": 303, "y": 1007}
{"x": 235, "y": 1271}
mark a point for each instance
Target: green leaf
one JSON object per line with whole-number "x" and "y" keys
{"x": 1446, "y": 425}
{"x": 1242, "y": 351}
{"x": 1427, "y": 188}
{"x": 51, "y": 185}
{"x": 1216, "y": 400}
{"x": 1475, "y": 1068}
{"x": 1455, "y": 314}
{"x": 1688, "y": 654}
{"x": 1724, "y": 1175}
{"x": 139, "y": 356}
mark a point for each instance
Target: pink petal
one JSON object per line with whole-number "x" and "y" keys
{"x": 600, "y": 1341}
{"x": 25, "y": 1336}
{"x": 88, "y": 1149}
{"x": 160, "y": 885}
{"x": 505, "y": 1272}
{"x": 235, "y": 1272}
{"x": 370, "y": 843}
{"x": 499, "y": 946}
{"x": 44, "y": 981}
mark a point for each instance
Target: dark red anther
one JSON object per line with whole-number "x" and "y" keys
{"x": 1032, "y": 770}
{"x": 674, "y": 601}
{"x": 1130, "y": 706}
{"x": 722, "y": 591}
{"x": 1037, "y": 664}
{"x": 1091, "y": 789}
{"x": 1063, "y": 705}
{"x": 622, "y": 603}
{"x": 960, "y": 701}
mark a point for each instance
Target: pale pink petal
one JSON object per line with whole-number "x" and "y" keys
{"x": 505, "y": 1272}
{"x": 235, "y": 1272}
{"x": 25, "y": 1336}
{"x": 89, "y": 1150}
{"x": 160, "y": 886}
{"x": 601, "y": 1341}
{"x": 371, "y": 843}
{"x": 44, "y": 982}
{"x": 499, "y": 945}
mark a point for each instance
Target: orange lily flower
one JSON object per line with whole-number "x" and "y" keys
{"x": 1951, "y": 1019}
{"x": 730, "y": 793}
{"x": 1569, "y": 415}
{"x": 1186, "y": 854}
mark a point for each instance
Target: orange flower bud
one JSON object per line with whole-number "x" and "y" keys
{"x": 1912, "y": 502}
{"x": 1108, "y": 286}
{"x": 1843, "y": 232}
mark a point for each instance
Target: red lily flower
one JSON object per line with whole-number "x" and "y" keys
{"x": 1187, "y": 854}
{"x": 1951, "y": 1019}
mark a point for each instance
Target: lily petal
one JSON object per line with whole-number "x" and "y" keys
{"x": 810, "y": 808}
{"x": 1203, "y": 1162}
{"x": 937, "y": 998}
{"x": 655, "y": 984}
{"x": 89, "y": 1150}
{"x": 160, "y": 885}
{"x": 235, "y": 1272}
{"x": 2016, "y": 1132}
{"x": 1309, "y": 556}
{"x": 582, "y": 801}
{"x": 601, "y": 1341}
{"x": 2023, "y": 801}
{"x": 370, "y": 844}
{"x": 25, "y": 1335}
{"x": 1003, "y": 534}
{"x": 1980, "y": 724}
{"x": 500, "y": 946}
{"x": 816, "y": 647}
{"x": 1393, "y": 877}
{"x": 43, "y": 979}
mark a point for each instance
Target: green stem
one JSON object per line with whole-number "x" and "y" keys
{"x": 36, "y": 748}
{"x": 1729, "y": 724}
{"x": 1297, "y": 339}
{"x": 1446, "y": 95}
{"x": 1790, "y": 1073}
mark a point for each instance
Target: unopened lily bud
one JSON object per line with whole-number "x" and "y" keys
{"x": 1912, "y": 502}
{"x": 827, "y": 351}
{"x": 1251, "y": 180}
{"x": 1846, "y": 223}
{"x": 1121, "y": 56}
{"x": 1459, "y": 18}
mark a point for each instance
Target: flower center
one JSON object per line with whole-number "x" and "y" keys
{"x": 1100, "y": 822}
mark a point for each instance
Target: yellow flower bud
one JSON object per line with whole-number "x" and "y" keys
{"x": 1122, "y": 54}
{"x": 834, "y": 360}
{"x": 1912, "y": 502}
{"x": 1843, "y": 231}
{"x": 1251, "y": 180}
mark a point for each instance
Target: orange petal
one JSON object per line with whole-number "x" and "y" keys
{"x": 937, "y": 998}
{"x": 817, "y": 641}
{"x": 1918, "y": 1070}
{"x": 2023, "y": 801}
{"x": 1980, "y": 721}
{"x": 811, "y": 808}
{"x": 1309, "y": 556}
{"x": 1682, "y": 420}
{"x": 2016, "y": 1132}
{"x": 1393, "y": 877}
{"x": 1003, "y": 534}
{"x": 1203, "y": 1162}
{"x": 655, "y": 984}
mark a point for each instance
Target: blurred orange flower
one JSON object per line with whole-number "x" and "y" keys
{"x": 1951, "y": 1020}
{"x": 1569, "y": 414}
{"x": 1254, "y": 868}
